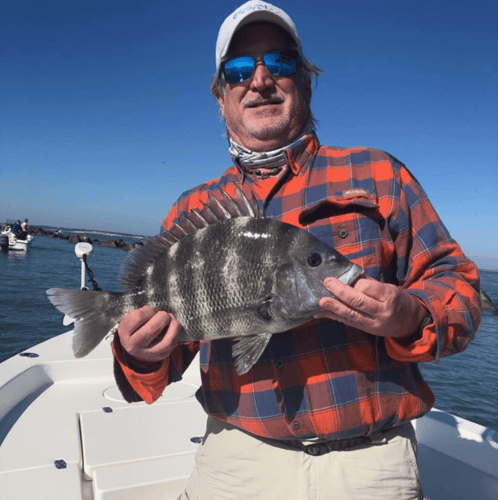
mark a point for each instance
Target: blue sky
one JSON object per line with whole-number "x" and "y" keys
{"x": 106, "y": 115}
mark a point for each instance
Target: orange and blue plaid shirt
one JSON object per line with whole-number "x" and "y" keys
{"x": 326, "y": 379}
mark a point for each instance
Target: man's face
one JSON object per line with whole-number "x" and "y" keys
{"x": 265, "y": 112}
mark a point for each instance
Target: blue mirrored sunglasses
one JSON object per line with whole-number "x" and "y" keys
{"x": 277, "y": 62}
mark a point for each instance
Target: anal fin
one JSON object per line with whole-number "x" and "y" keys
{"x": 247, "y": 350}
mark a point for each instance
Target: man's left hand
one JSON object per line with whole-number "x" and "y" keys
{"x": 371, "y": 306}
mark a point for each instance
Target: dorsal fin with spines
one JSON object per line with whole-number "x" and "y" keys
{"x": 209, "y": 211}
{"x": 180, "y": 228}
{"x": 232, "y": 203}
{"x": 252, "y": 210}
{"x": 203, "y": 221}
{"x": 224, "y": 212}
{"x": 213, "y": 212}
{"x": 191, "y": 225}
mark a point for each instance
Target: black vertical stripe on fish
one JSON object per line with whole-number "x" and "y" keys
{"x": 224, "y": 272}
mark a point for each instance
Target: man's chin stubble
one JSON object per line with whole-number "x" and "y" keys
{"x": 267, "y": 131}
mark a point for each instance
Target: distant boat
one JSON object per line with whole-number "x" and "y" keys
{"x": 11, "y": 243}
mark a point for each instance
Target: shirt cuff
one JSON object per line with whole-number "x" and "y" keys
{"x": 148, "y": 384}
{"x": 420, "y": 346}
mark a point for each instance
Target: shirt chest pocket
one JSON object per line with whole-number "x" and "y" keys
{"x": 354, "y": 227}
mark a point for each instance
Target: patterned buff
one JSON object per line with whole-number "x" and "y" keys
{"x": 251, "y": 160}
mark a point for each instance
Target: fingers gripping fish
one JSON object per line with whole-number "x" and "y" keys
{"x": 224, "y": 271}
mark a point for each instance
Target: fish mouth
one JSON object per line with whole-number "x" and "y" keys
{"x": 351, "y": 275}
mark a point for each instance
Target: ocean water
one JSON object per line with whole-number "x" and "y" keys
{"x": 465, "y": 384}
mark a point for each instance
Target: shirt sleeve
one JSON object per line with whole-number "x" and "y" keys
{"x": 433, "y": 268}
{"x": 136, "y": 383}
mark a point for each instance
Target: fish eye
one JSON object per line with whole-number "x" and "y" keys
{"x": 314, "y": 259}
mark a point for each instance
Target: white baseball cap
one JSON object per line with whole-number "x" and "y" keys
{"x": 252, "y": 11}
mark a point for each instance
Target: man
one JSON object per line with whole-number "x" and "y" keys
{"x": 325, "y": 413}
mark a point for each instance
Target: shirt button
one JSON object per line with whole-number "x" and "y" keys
{"x": 343, "y": 234}
{"x": 280, "y": 363}
{"x": 296, "y": 425}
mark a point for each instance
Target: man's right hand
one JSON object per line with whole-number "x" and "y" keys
{"x": 149, "y": 335}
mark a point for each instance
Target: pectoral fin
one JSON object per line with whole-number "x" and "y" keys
{"x": 247, "y": 350}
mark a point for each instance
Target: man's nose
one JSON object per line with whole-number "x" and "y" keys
{"x": 262, "y": 78}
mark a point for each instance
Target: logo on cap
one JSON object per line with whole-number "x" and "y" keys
{"x": 256, "y": 7}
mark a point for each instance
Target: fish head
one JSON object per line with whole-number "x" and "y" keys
{"x": 298, "y": 280}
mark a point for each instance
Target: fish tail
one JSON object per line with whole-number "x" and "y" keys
{"x": 95, "y": 314}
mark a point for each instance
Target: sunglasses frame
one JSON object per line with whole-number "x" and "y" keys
{"x": 291, "y": 53}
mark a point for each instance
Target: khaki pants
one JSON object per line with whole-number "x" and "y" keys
{"x": 234, "y": 465}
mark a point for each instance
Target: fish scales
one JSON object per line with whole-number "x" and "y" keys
{"x": 210, "y": 302}
{"x": 240, "y": 275}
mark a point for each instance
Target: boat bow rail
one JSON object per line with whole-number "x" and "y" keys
{"x": 458, "y": 459}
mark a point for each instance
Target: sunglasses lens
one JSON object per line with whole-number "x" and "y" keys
{"x": 238, "y": 69}
{"x": 280, "y": 63}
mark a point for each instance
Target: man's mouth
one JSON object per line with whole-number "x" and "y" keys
{"x": 257, "y": 104}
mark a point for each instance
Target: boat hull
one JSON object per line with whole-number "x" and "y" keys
{"x": 58, "y": 411}
{"x": 10, "y": 243}
{"x": 4, "y": 242}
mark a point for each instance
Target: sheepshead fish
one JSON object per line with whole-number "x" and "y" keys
{"x": 224, "y": 271}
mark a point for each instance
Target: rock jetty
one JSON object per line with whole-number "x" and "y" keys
{"x": 78, "y": 238}
{"x": 120, "y": 244}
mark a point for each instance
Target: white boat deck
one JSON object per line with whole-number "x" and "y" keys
{"x": 56, "y": 411}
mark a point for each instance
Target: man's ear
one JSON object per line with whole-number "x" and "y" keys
{"x": 221, "y": 101}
